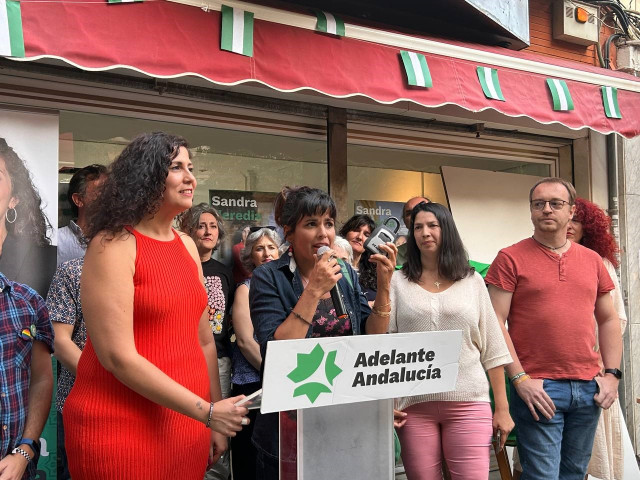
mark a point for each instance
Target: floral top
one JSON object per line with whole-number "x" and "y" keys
{"x": 219, "y": 286}
{"x": 64, "y": 306}
{"x": 326, "y": 324}
{"x": 216, "y": 304}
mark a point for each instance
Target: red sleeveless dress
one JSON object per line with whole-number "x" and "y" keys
{"x": 113, "y": 433}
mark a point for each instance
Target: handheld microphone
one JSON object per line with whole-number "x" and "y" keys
{"x": 336, "y": 294}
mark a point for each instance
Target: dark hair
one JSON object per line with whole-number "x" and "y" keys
{"x": 570, "y": 188}
{"x": 596, "y": 230}
{"x": 293, "y": 203}
{"x": 189, "y": 220}
{"x": 30, "y": 221}
{"x": 78, "y": 183}
{"x": 135, "y": 183}
{"x": 367, "y": 273}
{"x": 355, "y": 223}
{"x": 453, "y": 261}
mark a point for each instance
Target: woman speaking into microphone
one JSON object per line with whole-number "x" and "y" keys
{"x": 290, "y": 297}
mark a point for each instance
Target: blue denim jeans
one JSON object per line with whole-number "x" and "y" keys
{"x": 560, "y": 448}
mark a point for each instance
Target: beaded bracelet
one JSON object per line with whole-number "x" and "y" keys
{"x": 208, "y": 424}
{"x": 520, "y": 379}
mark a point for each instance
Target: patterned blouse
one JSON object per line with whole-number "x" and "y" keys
{"x": 218, "y": 282}
{"x": 63, "y": 302}
{"x": 326, "y": 324}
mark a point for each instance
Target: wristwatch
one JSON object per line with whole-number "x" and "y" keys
{"x": 614, "y": 371}
{"x": 34, "y": 445}
{"x": 22, "y": 452}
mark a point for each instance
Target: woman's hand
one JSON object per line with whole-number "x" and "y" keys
{"x": 217, "y": 448}
{"x": 325, "y": 274}
{"x": 399, "y": 418}
{"x": 502, "y": 421}
{"x": 385, "y": 264}
{"x": 228, "y": 419}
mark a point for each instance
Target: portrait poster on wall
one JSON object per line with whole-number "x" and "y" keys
{"x": 28, "y": 220}
{"x": 379, "y": 210}
{"x": 30, "y": 210}
{"x": 240, "y": 209}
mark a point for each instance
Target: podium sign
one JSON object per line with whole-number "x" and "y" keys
{"x": 315, "y": 372}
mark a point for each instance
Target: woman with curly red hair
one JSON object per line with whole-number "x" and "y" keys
{"x": 591, "y": 227}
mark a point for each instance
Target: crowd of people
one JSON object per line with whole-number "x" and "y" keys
{"x": 158, "y": 341}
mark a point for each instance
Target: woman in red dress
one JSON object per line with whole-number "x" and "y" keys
{"x": 146, "y": 402}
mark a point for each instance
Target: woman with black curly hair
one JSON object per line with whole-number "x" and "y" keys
{"x": 26, "y": 253}
{"x": 591, "y": 227}
{"x": 140, "y": 406}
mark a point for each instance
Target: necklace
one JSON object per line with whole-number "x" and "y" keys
{"x": 437, "y": 283}
{"x": 549, "y": 247}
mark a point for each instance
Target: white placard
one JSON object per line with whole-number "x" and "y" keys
{"x": 315, "y": 372}
{"x": 491, "y": 209}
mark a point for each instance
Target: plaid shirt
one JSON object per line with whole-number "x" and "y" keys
{"x": 23, "y": 320}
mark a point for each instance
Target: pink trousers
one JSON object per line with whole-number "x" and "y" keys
{"x": 458, "y": 431}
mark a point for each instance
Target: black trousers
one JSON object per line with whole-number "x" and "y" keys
{"x": 243, "y": 453}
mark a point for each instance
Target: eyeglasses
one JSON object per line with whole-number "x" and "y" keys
{"x": 256, "y": 228}
{"x": 554, "y": 204}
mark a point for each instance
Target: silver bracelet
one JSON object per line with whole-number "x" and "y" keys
{"x": 22, "y": 452}
{"x": 208, "y": 424}
{"x": 300, "y": 317}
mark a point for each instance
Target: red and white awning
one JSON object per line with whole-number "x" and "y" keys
{"x": 170, "y": 40}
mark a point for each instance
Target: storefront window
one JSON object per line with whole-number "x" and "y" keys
{"x": 381, "y": 179}
{"x": 238, "y": 172}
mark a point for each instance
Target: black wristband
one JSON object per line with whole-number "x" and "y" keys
{"x": 614, "y": 371}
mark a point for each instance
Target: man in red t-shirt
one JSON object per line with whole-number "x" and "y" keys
{"x": 550, "y": 289}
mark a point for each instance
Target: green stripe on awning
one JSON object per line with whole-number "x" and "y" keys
{"x": 560, "y": 95}
{"x": 610, "y": 101}
{"x": 416, "y": 68}
{"x": 11, "y": 37}
{"x": 237, "y": 31}
{"x": 489, "y": 82}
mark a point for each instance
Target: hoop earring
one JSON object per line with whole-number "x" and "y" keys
{"x": 15, "y": 215}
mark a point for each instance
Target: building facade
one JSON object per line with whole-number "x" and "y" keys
{"x": 340, "y": 112}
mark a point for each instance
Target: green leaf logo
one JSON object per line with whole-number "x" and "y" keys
{"x": 308, "y": 364}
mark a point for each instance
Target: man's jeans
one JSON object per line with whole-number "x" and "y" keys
{"x": 560, "y": 448}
